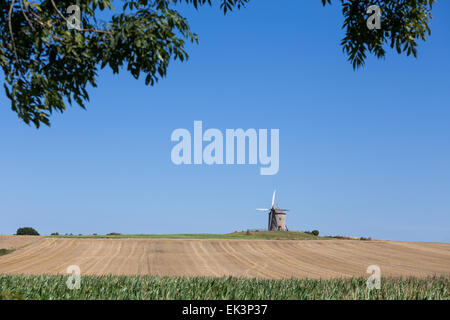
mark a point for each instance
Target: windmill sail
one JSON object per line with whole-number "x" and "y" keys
{"x": 273, "y": 198}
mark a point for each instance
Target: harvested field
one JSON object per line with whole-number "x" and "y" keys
{"x": 15, "y": 242}
{"x": 217, "y": 257}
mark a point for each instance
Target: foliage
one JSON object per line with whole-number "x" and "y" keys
{"x": 26, "y": 231}
{"x": 402, "y": 24}
{"x": 147, "y": 287}
{"x": 47, "y": 66}
{"x": 313, "y": 233}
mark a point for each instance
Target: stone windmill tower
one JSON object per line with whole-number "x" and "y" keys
{"x": 277, "y": 217}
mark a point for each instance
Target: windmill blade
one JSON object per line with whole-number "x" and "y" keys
{"x": 273, "y": 198}
{"x": 263, "y": 209}
{"x": 282, "y": 209}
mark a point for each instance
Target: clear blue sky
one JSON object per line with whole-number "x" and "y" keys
{"x": 363, "y": 153}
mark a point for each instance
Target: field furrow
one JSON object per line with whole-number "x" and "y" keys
{"x": 224, "y": 257}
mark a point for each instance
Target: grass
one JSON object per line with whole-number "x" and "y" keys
{"x": 148, "y": 287}
{"x": 5, "y": 251}
{"x": 253, "y": 235}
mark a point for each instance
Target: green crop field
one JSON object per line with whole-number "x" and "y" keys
{"x": 253, "y": 235}
{"x": 146, "y": 287}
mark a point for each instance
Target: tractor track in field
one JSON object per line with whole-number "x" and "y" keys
{"x": 222, "y": 257}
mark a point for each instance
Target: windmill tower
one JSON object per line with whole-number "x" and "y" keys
{"x": 277, "y": 217}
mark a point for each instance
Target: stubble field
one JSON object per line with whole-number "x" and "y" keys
{"x": 265, "y": 259}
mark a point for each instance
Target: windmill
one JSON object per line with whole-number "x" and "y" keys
{"x": 277, "y": 217}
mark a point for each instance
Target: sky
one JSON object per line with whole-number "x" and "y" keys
{"x": 362, "y": 153}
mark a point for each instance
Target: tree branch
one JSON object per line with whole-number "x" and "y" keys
{"x": 11, "y": 32}
{"x": 25, "y": 15}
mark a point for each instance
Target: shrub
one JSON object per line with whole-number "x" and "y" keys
{"x": 114, "y": 234}
{"x": 26, "y": 231}
{"x": 315, "y": 232}
{"x": 54, "y": 234}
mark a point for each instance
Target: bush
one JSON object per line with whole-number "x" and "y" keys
{"x": 54, "y": 234}
{"x": 114, "y": 234}
{"x": 26, "y": 231}
{"x": 315, "y": 232}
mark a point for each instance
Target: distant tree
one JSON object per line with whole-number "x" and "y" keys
{"x": 315, "y": 232}
{"x": 26, "y": 231}
{"x": 47, "y": 65}
{"x": 55, "y": 234}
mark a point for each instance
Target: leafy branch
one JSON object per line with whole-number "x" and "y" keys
{"x": 47, "y": 66}
{"x": 403, "y": 23}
